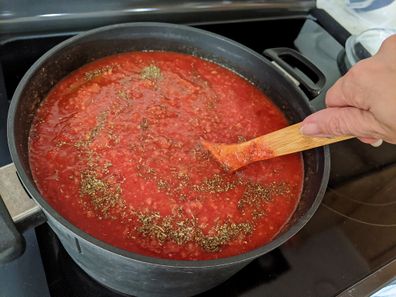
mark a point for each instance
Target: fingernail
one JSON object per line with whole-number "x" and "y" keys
{"x": 310, "y": 129}
{"x": 377, "y": 143}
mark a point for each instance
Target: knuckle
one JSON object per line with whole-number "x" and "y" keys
{"x": 335, "y": 126}
{"x": 356, "y": 82}
{"x": 358, "y": 69}
{"x": 363, "y": 69}
{"x": 389, "y": 43}
{"x": 331, "y": 94}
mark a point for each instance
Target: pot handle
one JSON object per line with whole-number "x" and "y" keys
{"x": 303, "y": 71}
{"x": 12, "y": 243}
{"x": 18, "y": 212}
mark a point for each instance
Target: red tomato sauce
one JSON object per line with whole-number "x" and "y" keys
{"x": 115, "y": 149}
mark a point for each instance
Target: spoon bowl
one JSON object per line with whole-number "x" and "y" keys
{"x": 278, "y": 143}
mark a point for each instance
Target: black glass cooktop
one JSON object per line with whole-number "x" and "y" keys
{"x": 351, "y": 235}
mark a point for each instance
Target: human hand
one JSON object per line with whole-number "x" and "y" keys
{"x": 363, "y": 102}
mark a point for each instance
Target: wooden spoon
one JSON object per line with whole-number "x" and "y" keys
{"x": 282, "y": 142}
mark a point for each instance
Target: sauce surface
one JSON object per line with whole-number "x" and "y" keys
{"x": 115, "y": 149}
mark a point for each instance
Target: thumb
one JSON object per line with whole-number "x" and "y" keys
{"x": 337, "y": 121}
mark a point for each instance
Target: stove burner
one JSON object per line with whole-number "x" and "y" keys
{"x": 358, "y": 220}
{"x": 366, "y": 203}
{"x": 369, "y": 200}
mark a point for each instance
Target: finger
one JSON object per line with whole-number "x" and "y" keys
{"x": 368, "y": 140}
{"x": 335, "y": 96}
{"x": 336, "y": 121}
{"x": 373, "y": 141}
{"x": 351, "y": 89}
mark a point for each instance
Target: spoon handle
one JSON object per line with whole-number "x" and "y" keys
{"x": 290, "y": 140}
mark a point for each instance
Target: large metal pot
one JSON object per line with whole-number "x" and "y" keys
{"x": 118, "y": 269}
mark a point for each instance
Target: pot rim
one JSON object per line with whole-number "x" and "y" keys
{"x": 31, "y": 188}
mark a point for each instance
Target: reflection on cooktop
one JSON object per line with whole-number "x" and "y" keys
{"x": 353, "y": 159}
{"x": 362, "y": 207}
{"x": 369, "y": 199}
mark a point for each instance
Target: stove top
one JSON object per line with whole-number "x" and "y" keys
{"x": 349, "y": 238}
